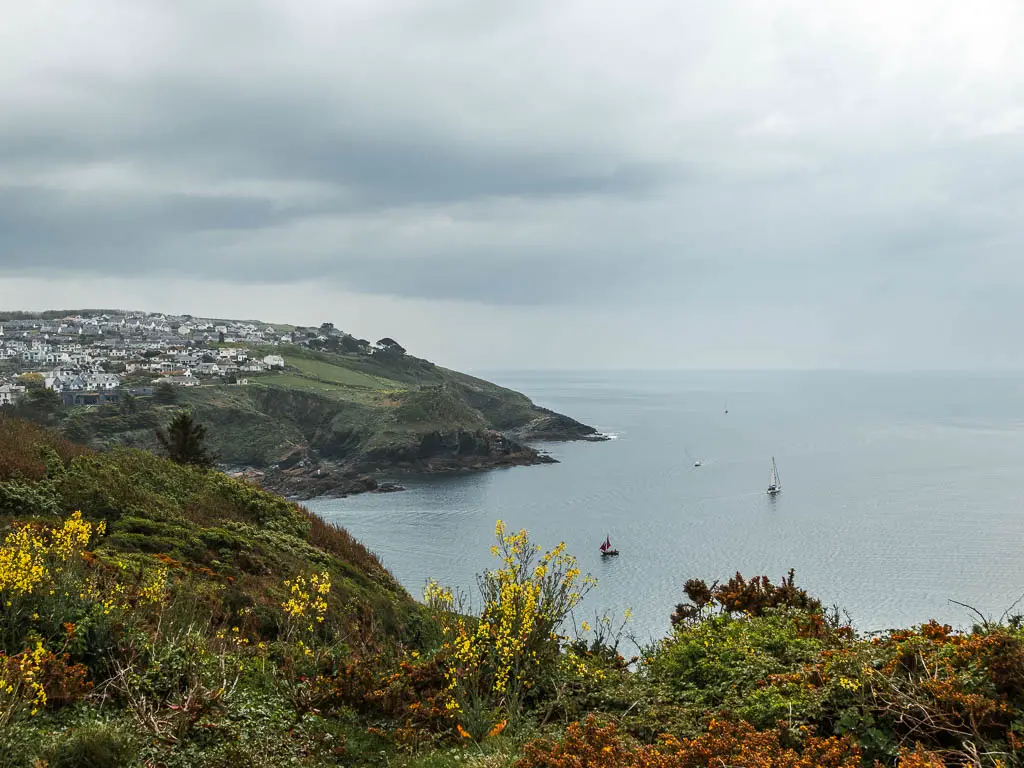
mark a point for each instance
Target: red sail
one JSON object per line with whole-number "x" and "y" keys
{"x": 607, "y": 544}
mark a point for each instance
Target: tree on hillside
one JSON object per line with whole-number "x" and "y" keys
{"x": 39, "y": 405}
{"x": 164, "y": 393}
{"x": 31, "y": 380}
{"x": 185, "y": 441}
{"x": 353, "y": 345}
{"x": 129, "y": 403}
{"x": 390, "y": 345}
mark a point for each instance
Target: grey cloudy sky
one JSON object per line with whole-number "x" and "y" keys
{"x": 585, "y": 183}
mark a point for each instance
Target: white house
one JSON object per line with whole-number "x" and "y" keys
{"x": 9, "y": 393}
{"x": 274, "y": 361}
{"x": 105, "y": 381}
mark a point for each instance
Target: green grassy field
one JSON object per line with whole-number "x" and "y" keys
{"x": 294, "y": 381}
{"x": 337, "y": 374}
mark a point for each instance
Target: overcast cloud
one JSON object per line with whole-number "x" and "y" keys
{"x": 662, "y": 183}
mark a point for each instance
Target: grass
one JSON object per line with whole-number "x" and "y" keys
{"x": 337, "y": 374}
{"x": 298, "y": 383}
{"x": 294, "y": 381}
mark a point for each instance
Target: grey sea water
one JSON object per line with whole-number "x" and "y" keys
{"x": 901, "y": 492}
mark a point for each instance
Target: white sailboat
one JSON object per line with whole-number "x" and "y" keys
{"x": 774, "y": 483}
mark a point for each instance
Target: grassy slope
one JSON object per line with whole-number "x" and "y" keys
{"x": 754, "y": 656}
{"x": 204, "y": 520}
{"x": 229, "y": 550}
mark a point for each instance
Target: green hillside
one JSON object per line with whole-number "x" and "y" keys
{"x": 346, "y": 415}
{"x": 160, "y": 616}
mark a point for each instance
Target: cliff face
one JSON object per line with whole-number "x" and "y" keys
{"x": 555, "y": 427}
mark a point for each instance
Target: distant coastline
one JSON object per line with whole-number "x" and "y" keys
{"x": 303, "y": 411}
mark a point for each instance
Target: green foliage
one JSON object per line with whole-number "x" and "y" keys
{"x": 39, "y": 405}
{"x": 184, "y": 440}
{"x": 165, "y": 394}
{"x": 726, "y": 662}
{"x": 96, "y": 745}
{"x": 438, "y": 408}
{"x": 24, "y": 498}
{"x": 194, "y": 619}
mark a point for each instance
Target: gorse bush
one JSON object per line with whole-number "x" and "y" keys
{"x": 738, "y": 595}
{"x": 498, "y": 659}
{"x": 593, "y": 745}
{"x": 739, "y": 665}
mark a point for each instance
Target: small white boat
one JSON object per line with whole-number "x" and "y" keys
{"x": 774, "y": 483}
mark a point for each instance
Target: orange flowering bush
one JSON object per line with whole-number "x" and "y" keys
{"x": 944, "y": 688}
{"x": 593, "y": 745}
{"x": 739, "y": 595}
{"x": 36, "y": 679}
{"x": 410, "y": 697}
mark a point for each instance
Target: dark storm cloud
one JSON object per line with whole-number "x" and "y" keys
{"x": 515, "y": 153}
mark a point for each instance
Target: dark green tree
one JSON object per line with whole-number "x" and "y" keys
{"x": 129, "y": 403}
{"x": 185, "y": 441}
{"x": 389, "y": 345}
{"x": 164, "y": 393}
{"x": 39, "y": 405}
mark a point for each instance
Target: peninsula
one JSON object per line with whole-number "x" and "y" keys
{"x": 304, "y": 411}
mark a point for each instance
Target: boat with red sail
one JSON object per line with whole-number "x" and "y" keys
{"x": 606, "y": 548}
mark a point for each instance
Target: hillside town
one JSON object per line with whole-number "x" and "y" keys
{"x": 91, "y": 359}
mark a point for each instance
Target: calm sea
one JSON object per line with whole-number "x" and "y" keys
{"x": 901, "y": 492}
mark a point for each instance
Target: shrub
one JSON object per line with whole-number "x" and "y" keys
{"x": 592, "y": 745}
{"x": 22, "y": 447}
{"x": 98, "y": 745}
{"x": 738, "y": 595}
{"x": 339, "y": 542}
{"x": 35, "y": 679}
{"x": 741, "y": 664}
{"x": 506, "y": 653}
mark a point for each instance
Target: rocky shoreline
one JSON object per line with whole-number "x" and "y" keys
{"x": 305, "y": 475}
